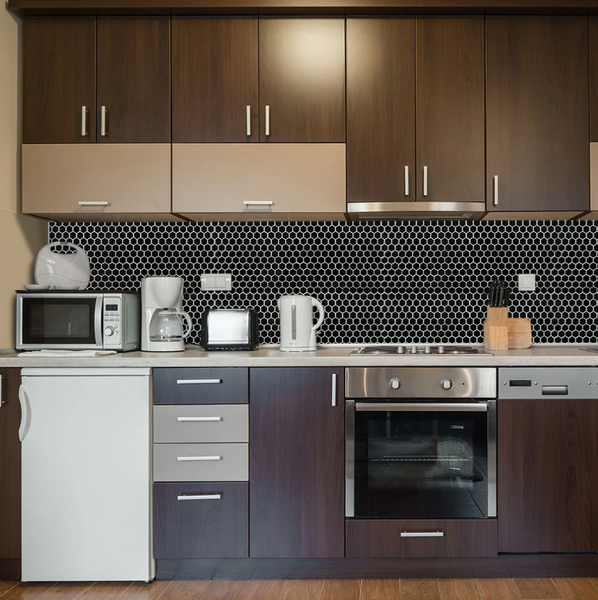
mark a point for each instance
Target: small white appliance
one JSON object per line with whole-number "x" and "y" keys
{"x": 297, "y": 329}
{"x": 62, "y": 270}
{"x": 162, "y": 315}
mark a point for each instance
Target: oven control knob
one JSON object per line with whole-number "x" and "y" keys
{"x": 401, "y": 349}
{"x": 441, "y": 350}
{"x": 427, "y": 350}
{"x": 109, "y": 331}
{"x": 446, "y": 384}
{"x": 414, "y": 350}
{"x": 395, "y": 383}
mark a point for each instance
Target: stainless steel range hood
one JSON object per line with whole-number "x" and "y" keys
{"x": 416, "y": 211}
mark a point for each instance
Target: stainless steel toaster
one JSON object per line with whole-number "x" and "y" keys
{"x": 229, "y": 329}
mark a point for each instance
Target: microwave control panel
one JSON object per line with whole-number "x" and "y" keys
{"x": 112, "y": 322}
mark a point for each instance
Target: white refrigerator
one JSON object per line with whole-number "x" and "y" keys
{"x": 86, "y": 474}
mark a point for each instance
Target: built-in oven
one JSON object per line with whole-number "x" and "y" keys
{"x": 420, "y": 443}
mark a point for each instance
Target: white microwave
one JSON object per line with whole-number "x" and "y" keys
{"x": 78, "y": 321}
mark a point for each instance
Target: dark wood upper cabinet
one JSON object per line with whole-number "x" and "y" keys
{"x": 537, "y": 131}
{"x": 10, "y": 475}
{"x": 594, "y": 79}
{"x": 380, "y": 110}
{"x": 215, "y": 80}
{"x": 296, "y": 464}
{"x": 450, "y": 109}
{"x": 133, "y": 79}
{"x": 59, "y": 80}
{"x": 546, "y": 475}
{"x": 302, "y": 79}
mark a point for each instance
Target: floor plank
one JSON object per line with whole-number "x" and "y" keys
{"x": 302, "y": 589}
{"x": 27, "y": 591}
{"x": 268, "y": 589}
{"x": 498, "y": 589}
{"x": 70, "y": 590}
{"x": 145, "y": 591}
{"x": 419, "y": 589}
{"x": 458, "y": 589}
{"x": 6, "y": 586}
{"x": 223, "y": 590}
{"x": 103, "y": 590}
{"x": 341, "y": 589}
{"x": 537, "y": 589}
{"x": 380, "y": 589}
{"x": 576, "y": 588}
{"x": 183, "y": 590}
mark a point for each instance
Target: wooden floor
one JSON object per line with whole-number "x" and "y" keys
{"x": 313, "y": 589}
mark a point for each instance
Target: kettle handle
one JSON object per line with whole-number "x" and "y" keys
{"x": 320, "y": 308}
{"x": 76, "y": 248}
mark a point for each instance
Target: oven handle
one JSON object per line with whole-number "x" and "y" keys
{"x": 421, "y": 406}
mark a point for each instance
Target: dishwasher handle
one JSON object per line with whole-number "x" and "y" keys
{"x": 555, "y": 390}
{"x": 25, "y": 413}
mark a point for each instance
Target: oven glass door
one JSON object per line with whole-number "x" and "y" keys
{"x": 60, "y": 321}
{"x": 418, "y": 460}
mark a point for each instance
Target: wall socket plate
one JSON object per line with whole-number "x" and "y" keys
{"x": 216, "y": 282}
{"x": 527, "y": 282}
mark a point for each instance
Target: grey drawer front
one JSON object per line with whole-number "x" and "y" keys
{"x": 183, "y": 462}
{"x": 201, "y": 423}
{"x": 201, "y": 385}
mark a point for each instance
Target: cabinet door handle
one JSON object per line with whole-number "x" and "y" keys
{"x": 103, "y": 128}
{"x": 199, "y": 497}
{"x": 334, "y": 389}
{"x": 267, "y": 119}
{"x": 197, "y": 381}
{"x": 0, "y": 390}
{"x": 406, "y": 180}
{"x": 425, "y": 181}
{"x": 420, "y": 534}
{"x": 495, "y": 199}
{"x": 197, "y": 458}
{"x": 25, "y": 413}
{"x": 198, "y": 419}
{"x": 86, "y": 203}
{"x": 84, "y": 121}
{"x": 248, "y": 121}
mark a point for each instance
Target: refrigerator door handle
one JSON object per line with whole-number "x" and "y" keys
{"x": 25, "y": 414}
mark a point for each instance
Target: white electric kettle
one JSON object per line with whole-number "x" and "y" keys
{"x": 297, "y": 329}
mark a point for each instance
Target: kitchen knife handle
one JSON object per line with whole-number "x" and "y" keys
{"x": 495, "y": 198}
{"x": 406, "y": 180}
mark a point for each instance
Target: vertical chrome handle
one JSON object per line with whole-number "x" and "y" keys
{"x": 425, "y": 181}
{"x": 103, "y": 122}
{"x": 495, "y": 199}
{"x": 406, "y": 180}
{"x": 334, "y": 389}
{"x": 248, "y": 120}
{"x": 267, "y": 119}
{"x": 25, "y": 413}
{"x": 0, "y": 390}
{"x": 84, "y": 121}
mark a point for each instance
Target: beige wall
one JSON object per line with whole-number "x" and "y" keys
{"x": 20, "y": 237}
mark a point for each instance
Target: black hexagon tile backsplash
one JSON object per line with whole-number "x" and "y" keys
{"x": 380, "y": 282}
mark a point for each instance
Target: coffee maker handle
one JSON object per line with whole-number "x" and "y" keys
{"x": 320, "y": 308}
{"x": 189, "y": 323}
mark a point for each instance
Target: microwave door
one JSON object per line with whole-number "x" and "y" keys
{"x": 59, "y": 321}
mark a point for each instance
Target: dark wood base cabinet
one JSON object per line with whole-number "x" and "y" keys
{"x": 459, "y": 538}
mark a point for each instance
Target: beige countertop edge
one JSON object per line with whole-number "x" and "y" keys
{"x": 332, "y": 356}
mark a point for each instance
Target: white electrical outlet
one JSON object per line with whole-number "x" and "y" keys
{"x": 216, "y": 282}
{"x": 527, "y": 282}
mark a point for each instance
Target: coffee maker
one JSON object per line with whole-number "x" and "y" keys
{"x": 162, "y": 328}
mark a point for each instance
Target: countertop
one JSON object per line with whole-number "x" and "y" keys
{"x": 325, "y": 356}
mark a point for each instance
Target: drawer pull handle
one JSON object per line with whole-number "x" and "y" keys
{"x": 200, "y": 497}
{"x": 195, "y": 458}
{"x": 197, "y": 419}
{"x": 418, "y": 534}
{"x": 89, "y": 203}
{"x": 197, "y": 381}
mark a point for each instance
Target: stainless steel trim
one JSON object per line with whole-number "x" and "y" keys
{"x": 197, "y": 381}
{"x": 199, "y": 497}
{"x": 334, "y": 389}
{"x": 432, "y": 210}
{"x": 421, "y": 407}
{"x": 555, "y": 390}
{"x": 248, "y": 120}
{"x": 421, "y": 534}
{"x": 425, "y": 190}
{"x": 198, "y": 419}
{"x": 103, "y": 129}
{"x": 406, "y": 180}
{"x": 350, "y": 458}
{"x": 492, "y": 461}
{"x": 495, "y": 187}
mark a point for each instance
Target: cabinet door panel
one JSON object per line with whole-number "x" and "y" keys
{"x": 537, "y": 133}
{"x": 296, "y": 460}
{"x": 450, "y": 109}
{"x": 546, "y": 458}
{"x": 214, "y": 80}
{"x": 302, "y": 79}
{"x": 59, "y": 68}
{"x": 134, "y": 79}
{"x": 380, "y": 109}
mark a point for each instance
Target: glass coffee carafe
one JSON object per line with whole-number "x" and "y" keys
{"x": 167, "y": 327}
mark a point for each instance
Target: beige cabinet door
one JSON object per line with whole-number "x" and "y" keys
{"x": 259, "y": 181}
{"x": 96, "y": 182}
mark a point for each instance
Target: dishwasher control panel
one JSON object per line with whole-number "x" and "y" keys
{"x": 548, "y": 382}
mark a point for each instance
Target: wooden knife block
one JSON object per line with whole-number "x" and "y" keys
{"x": 502, "y": 333}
